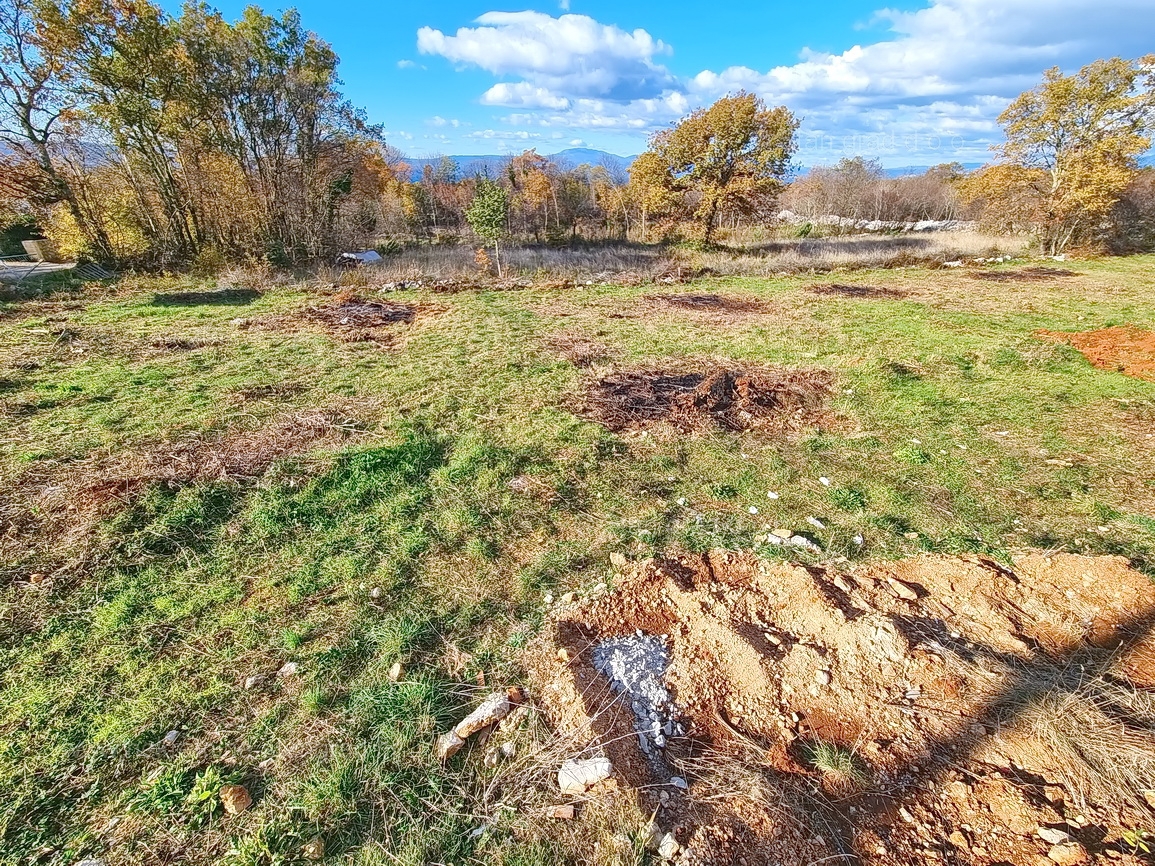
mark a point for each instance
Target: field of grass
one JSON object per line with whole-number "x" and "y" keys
{"x": 363, "y": 514}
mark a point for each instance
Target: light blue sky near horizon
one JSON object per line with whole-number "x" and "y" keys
{"x": 909, "y": 83}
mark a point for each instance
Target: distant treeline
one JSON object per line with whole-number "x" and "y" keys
{"x": 132, "y": 136}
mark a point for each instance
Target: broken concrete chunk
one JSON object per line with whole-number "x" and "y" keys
{"x": 448, "y": 745}
{"x": 577, "y": 776}
{"x": 493, "y": 709}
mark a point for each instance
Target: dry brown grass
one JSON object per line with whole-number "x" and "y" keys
{"x": 58, "y": 506}
{"x": 594, "y": 263}
{"x": 853, "y": 252}
{"x": 1096, "y": 734}
{"x": 637, "y": 264}
{"x": 581, "y": 351}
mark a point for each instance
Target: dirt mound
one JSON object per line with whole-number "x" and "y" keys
{"x": 855, "y": 291}
{"x": 712, "y": 303}
{"x": 718, "y": 396}
{"x": 356, "y": 320}
{"x": 1037, "y": 274}
{"x": 1121, "y": 349}
{"x": 934, "y": 710}
{"x": 349, "y": 319}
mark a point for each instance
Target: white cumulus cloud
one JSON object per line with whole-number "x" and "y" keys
{"x": 938, "y": 79}
{"x": 571, "y": 55}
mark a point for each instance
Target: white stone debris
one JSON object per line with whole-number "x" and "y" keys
{"x": 636, "y": 668}
{"x": 577, "y": 776}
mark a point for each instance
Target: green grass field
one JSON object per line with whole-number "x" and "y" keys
{"x": 130, "y": 614}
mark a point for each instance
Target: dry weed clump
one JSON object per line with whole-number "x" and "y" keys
{"x": 1095, "y": 733}
{"x": 581, "y": 351}
{"x": 712, "y": 396}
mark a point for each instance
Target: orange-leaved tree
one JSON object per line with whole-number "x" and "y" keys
{"x": 731, "y": 155}
{"x": 1070, "y": 151}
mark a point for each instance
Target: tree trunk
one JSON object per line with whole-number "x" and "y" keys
{"x": 711, "y": 216}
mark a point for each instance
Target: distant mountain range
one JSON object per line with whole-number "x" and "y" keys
{"x": 494, "y": 164}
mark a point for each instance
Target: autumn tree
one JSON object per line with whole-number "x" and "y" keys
{"x": 488, "y": 215}
{"x": 651, "y": 188}
{"x": 730, "y": 155}
{"x": 36, "y": 110}
{"x": 1071, "y": 148}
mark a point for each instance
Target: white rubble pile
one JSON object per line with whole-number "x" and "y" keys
{"x": 862, "y": 225}
{"x": 636, "y": 668}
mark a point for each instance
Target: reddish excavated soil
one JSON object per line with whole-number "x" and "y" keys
{"x": 1121, "y": 349}
{"x": 766, "y": 398}
{"x": 953, "y": 683}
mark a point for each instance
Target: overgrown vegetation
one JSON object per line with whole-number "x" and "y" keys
{"x": 143, "y": 138}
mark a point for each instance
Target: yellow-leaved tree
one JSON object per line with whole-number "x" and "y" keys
{"x": 730, "y": 155}
{"x": 1070, "y": 152}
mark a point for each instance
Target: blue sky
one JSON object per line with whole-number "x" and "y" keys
{"x": 912, "y": 83}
